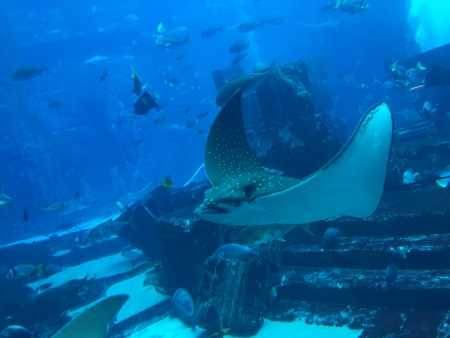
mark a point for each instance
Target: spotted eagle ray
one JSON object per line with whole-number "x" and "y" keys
{"x": 59, "y": 206}
{"x": 93, "y": 322}
{"x": 350, "y": 184}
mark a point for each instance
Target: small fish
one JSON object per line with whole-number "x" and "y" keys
{"x": 158, "y": 120}
{"x": 102, "y": 77}
{"x": 201, "y": 131}
{"x": 167, "y": 183}
{"x": 138, "y": 142}
{"x": 330, "y": 237}
{"x": 246, "y": 27}
{"x": 235, "y": 251}
{"x": 152, "y": 279}
{"x": 54, "y": 103}
{"x": 273, "y": 294}
{"x": 42, "y": 287}
{"x": 179, "y": 56}
{"x": 352, "y": 6}
{"x": 178, "y": 29}
{"x": 238, "y": 58}
{"x": 238, "y": 46}
{"x": 172, "y": 81}
{"x": 189, "y": 124}
{"x": 186, "y": 66}
{"x": 202, "y": 115}
{"x": 172, "y": 43}
{"x": 28, "y": 73}
{"x": 25, "y": 215}
{"x": 398, "y": 254}
{"x": 186, "y": 111}
{"x": 410, "y": 177}
{"x": 120, "y": 207}
{"x": 211, "y": 31}
{"x": 23, "y": 271}
{"x": 17, "y": 331}
{"x": 133, "y": 256}
{"x": 275, "y": 20}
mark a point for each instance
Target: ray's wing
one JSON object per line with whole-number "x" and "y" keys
{"x": 93, "y": 322}
{"x": 227, "y": 152}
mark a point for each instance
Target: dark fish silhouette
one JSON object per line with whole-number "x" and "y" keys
{"x": 28, "y": 73}
{"x": 102, "y": 77}
{"x": 144, "y": 104}
{"x": 25, "y": 215}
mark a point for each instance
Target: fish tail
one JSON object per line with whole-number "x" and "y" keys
{"x": 187, "y": 41}
{"x": 420, "y": 67}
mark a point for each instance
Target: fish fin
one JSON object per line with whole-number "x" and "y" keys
{"x": 307, "y": 230}
{"x": 187, "y": 41}
{"x": 420, "y": 67}
{"x": 442, "y": 183}
{"x": 94, "y": 321}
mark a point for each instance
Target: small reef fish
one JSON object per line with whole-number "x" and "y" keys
{"x": 152, "y": 279}
{"x": 167, "y": 183}
{"x": 352, "y": 6}
{"x": 238, "y": 46}
{"x": 28, "y": 73}
{"x": 211, "y": 31}
{"x": 410, "y": 177}
{"x": 202, "y": 115}
{"x": 330, "y": 237}
{"x": 23, "y": 271}
{"x": 183, "y": 307}
{"x": 398, "y": 254}
{"x": 107, "y": 228}
{"x": 246, "y": 27}
{"x": 172, "y": 43}
{"x": 273, "y": 293}
{"x": 235, "y": 251}
{"x": 42, "y": 287}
